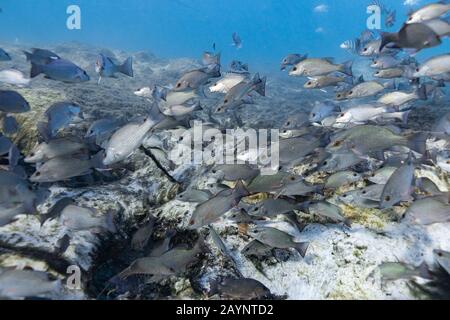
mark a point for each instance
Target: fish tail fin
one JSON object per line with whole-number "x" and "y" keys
{"x": 127, "y": 67}
{"x": 35, "y": 70}
{"x": 348, "y": 222}
{"x": 110, "y": 225}
{"x": 417, "y": 142}
{"x": 422, "y": 93}
{"x": 404, "y": 116}
{"x": 260, "y": 84}
{"x": 386, "y": 38}
{"x": 390, "y": 85}
{"x": 424, "y": 271}
{"x": 44, "y": 131}
{"x": 302, "y": 248}
{"x": 240, "y": 190}
{"x": 97, "y": 160}
{"x": 347, "y": 68}
{"x": 28, "y": 55}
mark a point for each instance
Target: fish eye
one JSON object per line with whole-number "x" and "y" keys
{"x": 387, "y": 198}
{"x": 417, "y": 70}
{"x": 256, "y": 231}
{"x": 288, "y": 123}
{"x": 373, "y": 175}
{"x": 325, "y": 163}
{"x": 178, "y": 84}
{"x": 364, "y": 192}
{"x": 313, "y": 114}
{"x": 225, "y": 101}
{"x": 355, "y": 174}
{"x": 30, "y": 188}
{"x": 351, "y": 92}
{"x": 180, "y": 196}
{"x": 294, "y": 69}
{"x": 344, "y": 196}
{"x": 191, "y": 222}
{"x": 439, "y": 254}
{"x": 341, "y": 115}
{"x": 37, "y": 174}
{"x": 292, "y": 178}
{"x": 378, "y": 72}
{"x": 339, "y": 95}
{"x": 365, "y": 49}
{"x": 285, "y": 61}
{"x": 309, "y": 83}
{"x": 32, "y": 154}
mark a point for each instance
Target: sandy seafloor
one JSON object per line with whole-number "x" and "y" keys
{"x": 340, "y": 264}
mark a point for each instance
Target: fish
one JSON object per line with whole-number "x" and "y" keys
{"x": 10, "y": 125}
{"x": 143, "y": 235}
{"x": 329, "y": 211}
{"x": 106, "y": 68}
{"x": 78, "y": 218}
{"x": 387, "y": 62}
{"x": 415, "y": 36}
{"x": 67, "y": 167}
{"x": 56, "y": 148}
{"x": 273, "y": 207}
{"x": 353, "y": 198}
{"x": 433, "y": 67}
{"x": 17, "y": 194}
{"x": 429, "y": 210}
{"x": 126, "y": 140}
{"x": 338, "y": 161}
{"x": 297, "y": 121}
{"x": 398, "y": 270}
{"x": 364, "y": 89}
{"x": 440, "y": 26}
{"x": 399, "y": 98}
{"x": 364, "y": 113}
{"x": 60, "y": 115}
{"x": 60, "y": 70}
{"x": 41, "y": 56}
{"x": 5, "y": 144}
{"x": 256, "y": 248}
{"x": 371, "y": 192}
{"x": 278, "y": 239}
{"x": 321, "y": 82}
{"x": 56, "y": 210}
{"x": 213, "y": 209}
{"x": 4, "y": 56}
{"x": 242, "y": 289}
{"x": 382, "y": 175}
{"x": 318, "y": 67}
{"x": 239, "y": 216}
{"x": 195, "y": 79}
{"x": 342, "y": 178}
{"x": 323, "y": 110}
{"x": 209, "y": 58}
{"x": 181, "y": 110}
{"x": 229, "y": 81}
{"x": 19, "y": 284}
{"x": 390, "y": 73}
{"x": 237, "y": 41}
{"x": 399, "y": 186}
{"x": 103, "y": 129}
{"x": 234, "y": 172}
{"x": 292, "y": 59}
{"x": 239, "y": 93}
{"x": 13, "y": 102}
{"x": 443, "y": 259}
{"x": 195, "y": 195}
{"x": 14, "y": 77}
{"x": 428, "y": 12}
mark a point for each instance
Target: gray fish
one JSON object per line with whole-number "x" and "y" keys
{"x": 386, "y": 62}
{"x": 164, "y": 245}
{"x": 243, "y": 289}
{"x": 238, "y": 67}
{"x": 142, "y": 236}
{"x": 210, "y": 211}
{"x": 398, "y": 270}
{"x": 195, "y": 195}
{"x": 13, "y": 102}
{"x": 342, "y": 178}
{"x": 41, "y": 56}
{"x": 440, "y": 26}
{"x": 340, "y": 161}
{"x": 270, "y": 183}
{"x": 193, "y": 80}
{"x": 56, "y": 148}
{"x": 382, "y": 175}
{"x": 353, "y": 198}
{"x": 10, "y": 125}
{"x": 372, "y": 192}
{"x": 78, "y": 218}
{"x": 364, "y": 89}
{"x": 234, "y": 172}
{"x": 429, "y": 12}
{"x": 415, "y": 36}
{"x": 297, "y": 121}
{"x": 101, "y": 130}
{"x": 56, "y": 210}
{"x": 292, "y": 59}
{"x": 61, "y": 114}
{"x": 433, "y": 67}
{"x": 60, "y": 70}
{"x": 67, "y": 167}
{"x": 125, "y": 141}
{"x": 106, "y": 68}
{"x": 238, "y": 95}
{"x": 5, "y": 145}
{"x": 257, "y": 249}
{"x": 292, "y": 150}
{"x": 273, "y": 207}
{"x": 427, "y": 186}
{"x": 63, "y": 244}
{"x": 237, "y": 41}
{"x": 278, "y": 239}
{"x": 297, "y": 187}
{"x": 16, "y": 284}
{"x": 329, "y": 211}
{"x": 4, "y": 56}
{"x": 399, "y": 186}
{"x": 239, "y": 215}
{"x": 443, "y": 258}
{"x": 319, "y": 67}
{"x": 429, "y": 210}
{"x": 170, "y": 263}
{"x": 16, "y": 193}
{"x": 389, "y": 73}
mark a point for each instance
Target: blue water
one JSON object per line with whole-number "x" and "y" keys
{"x": 185, "y": 28}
